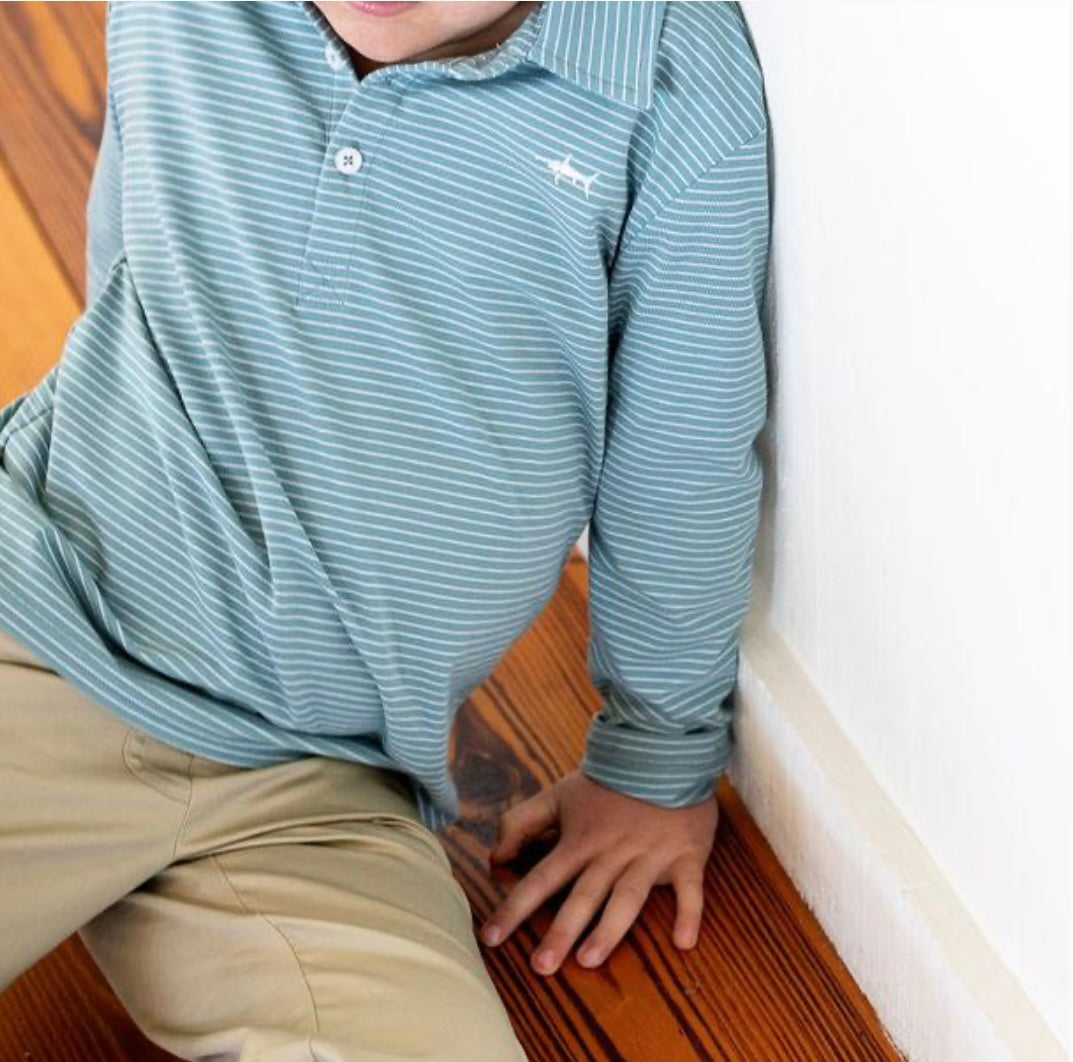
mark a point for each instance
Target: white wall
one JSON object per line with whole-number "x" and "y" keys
{"x": 915, "y": 548}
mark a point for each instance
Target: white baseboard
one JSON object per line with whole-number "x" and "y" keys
{"x": 939, "y": 989}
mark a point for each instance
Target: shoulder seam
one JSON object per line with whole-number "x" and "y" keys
{"x": 675, "y": 196}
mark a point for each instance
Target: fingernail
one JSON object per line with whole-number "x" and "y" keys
{"x": 544, "y": 960}
{"x": 492, "y": 935}
{"x": 587, "y": 956}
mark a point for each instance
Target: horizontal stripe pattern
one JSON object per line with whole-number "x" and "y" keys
{"x": 315, "y": 453}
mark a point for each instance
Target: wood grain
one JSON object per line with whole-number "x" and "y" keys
{"x": 37, "y": 303}
{"x": 52, "y": 84}
{"x": 763, "y": 982}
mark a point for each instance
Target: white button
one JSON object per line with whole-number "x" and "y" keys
{"x": 348, "y": 160}
{"x": 334, "y": 56}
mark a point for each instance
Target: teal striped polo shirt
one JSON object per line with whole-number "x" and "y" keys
{"x": 363, "y": 355}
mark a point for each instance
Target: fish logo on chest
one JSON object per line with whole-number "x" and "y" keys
{"x": 564, "y": 169}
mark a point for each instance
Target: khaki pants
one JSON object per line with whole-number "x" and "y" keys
{"x": 293, "y": 913}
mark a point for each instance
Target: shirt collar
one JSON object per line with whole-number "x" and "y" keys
{"x": 605, "y": 47}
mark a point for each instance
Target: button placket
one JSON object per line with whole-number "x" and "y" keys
{"x": 332, "y": 244}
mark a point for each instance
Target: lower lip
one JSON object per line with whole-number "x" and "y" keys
{"x": 381, "y": 10}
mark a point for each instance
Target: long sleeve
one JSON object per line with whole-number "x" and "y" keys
{"x": 104, "y": 205}
{"x": 672, "y": 533}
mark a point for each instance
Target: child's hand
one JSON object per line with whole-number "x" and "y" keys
{"x": 618, "y": 845}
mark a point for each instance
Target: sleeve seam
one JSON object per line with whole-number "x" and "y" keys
{"x": 676, "y": 197}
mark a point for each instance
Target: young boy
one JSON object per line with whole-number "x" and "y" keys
{"x": 383, "y": 307}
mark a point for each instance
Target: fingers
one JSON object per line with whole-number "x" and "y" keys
{"x": 628, "y": 897}
{"x": 688, "y": 883}
{"x": 620, "y": 852}
{"x": 585, "y": 899}
{"x": 629, "y": 889}
{"x": 545, "y": 879}
{"x": 522, "y": 822}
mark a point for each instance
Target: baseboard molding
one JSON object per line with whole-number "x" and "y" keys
{"x": 938, "y": 987}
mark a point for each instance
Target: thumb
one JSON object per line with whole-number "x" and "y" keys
{"x": 522, "y": 822}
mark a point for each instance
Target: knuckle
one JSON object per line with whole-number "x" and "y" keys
{"x": 690, "y": 868}
{"x": 546, "y": 878}
{"x": 692, "y": 877}
{"x": 584, "y": 897}
{"x": 635, "y": 885}
{"x": 631, "y": 891}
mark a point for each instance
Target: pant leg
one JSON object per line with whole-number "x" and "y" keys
{"x": 78, "y": 827}
{"x": 309, "y": 917}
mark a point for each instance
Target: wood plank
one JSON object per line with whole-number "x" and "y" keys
{"x": 52, "y": 83}
{"x": 763, "y": 982}
{"x": 37, "y": 303}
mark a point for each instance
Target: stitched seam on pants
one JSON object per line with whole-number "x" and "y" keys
{"x": 290, "y": 946}
{"x": 147, "y": 779}
{"x": 186, "y": 813}
{"x": 132, "y": 734}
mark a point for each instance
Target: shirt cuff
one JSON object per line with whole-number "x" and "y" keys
{"x": 671, "y": 769}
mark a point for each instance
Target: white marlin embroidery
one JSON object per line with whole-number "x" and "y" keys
{"x": 565, "y": 168}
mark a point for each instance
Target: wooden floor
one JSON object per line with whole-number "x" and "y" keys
{"x": 762, "y": 985}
